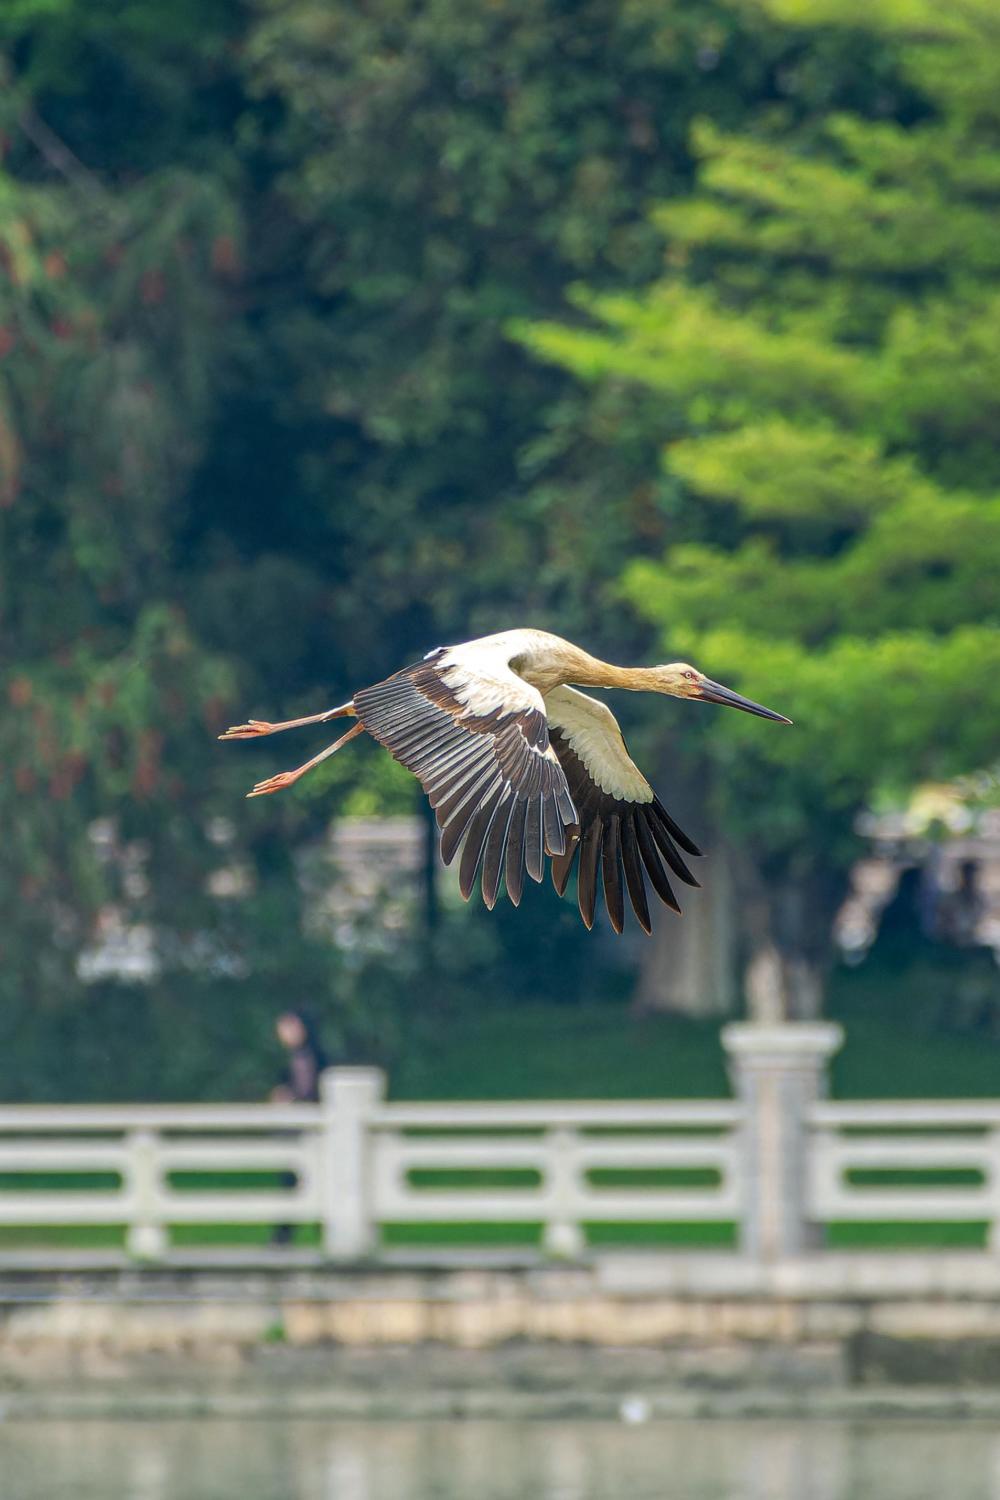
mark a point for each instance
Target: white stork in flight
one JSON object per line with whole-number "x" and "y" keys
{"x": 520, "y": 765}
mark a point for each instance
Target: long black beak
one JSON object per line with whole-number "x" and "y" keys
{"x": 714, "y": 692}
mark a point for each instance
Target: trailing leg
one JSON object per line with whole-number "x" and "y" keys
{"x": 289, "y": 778}
{"x": 253, "y": 728}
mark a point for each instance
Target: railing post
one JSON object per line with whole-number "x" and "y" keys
{"x": 349, "y": 1097}
{"x": 778, "y": 1073}
{"x": 145, "y": 1238}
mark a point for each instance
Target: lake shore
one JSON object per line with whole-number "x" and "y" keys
{"x": 629, "y": 1338}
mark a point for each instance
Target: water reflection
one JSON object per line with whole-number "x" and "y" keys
{"x": 318, "y": 1460}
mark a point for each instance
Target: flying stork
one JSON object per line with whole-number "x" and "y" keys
{"x": 521, "y": 765}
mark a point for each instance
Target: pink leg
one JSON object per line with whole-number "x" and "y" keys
{"x": 289, "y": 778}
{"x": 256, "y": 727}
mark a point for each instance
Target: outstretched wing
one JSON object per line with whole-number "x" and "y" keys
{"x": 624, "y": 828}
{"x": 476, "y": 736}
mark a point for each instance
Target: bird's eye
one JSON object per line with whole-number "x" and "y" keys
{"x": 690, "y": 676}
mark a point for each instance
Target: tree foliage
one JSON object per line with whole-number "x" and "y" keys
{"x": 112, "y": 301}
{"x": 262, "y": 433}
{"x": 824, "y": 350}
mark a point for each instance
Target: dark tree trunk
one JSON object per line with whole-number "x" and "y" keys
{"x": 690, "y": 964}
{"x": 788, "y": 917}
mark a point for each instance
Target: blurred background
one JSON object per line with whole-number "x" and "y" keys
{"x": 330, "y": 332}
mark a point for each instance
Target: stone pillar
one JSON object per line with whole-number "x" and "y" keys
{"x": 778, "y": 1072}
{"x": 349, "y": 1097}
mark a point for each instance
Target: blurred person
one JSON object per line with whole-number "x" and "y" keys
{"x": 296, "y": 1031}
{"x": 960, "y": 911}
{"x": 975, "y": 998}
{"x": 901, "y": 931}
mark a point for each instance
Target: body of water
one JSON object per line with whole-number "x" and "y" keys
{"x": 269, "y": 1459}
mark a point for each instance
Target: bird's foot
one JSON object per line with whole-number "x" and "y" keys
{"x": 275, "y": 783}
{"x": 248, "y": 731}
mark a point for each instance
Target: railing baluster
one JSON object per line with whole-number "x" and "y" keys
{"x": 146, "y": 1236}
{"x": 563, "y": 1234}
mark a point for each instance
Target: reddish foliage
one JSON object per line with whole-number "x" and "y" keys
{"x": 19, "y": 691}
{"x": 225, "y": 259}
{"x": 153, "y": 288}
{"x": 75, "y": 765}
{"x": 145, "y": 777}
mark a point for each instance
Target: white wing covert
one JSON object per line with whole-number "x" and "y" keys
{"x": 475, "y": 734}
{"x": 624, "y": 827}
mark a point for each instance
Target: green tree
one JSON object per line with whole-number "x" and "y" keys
{"x": 823, "y": 356}
{"x": 241, "y": 468}
{"x": 263, "y": 437}
{"x": 439, "y": 169}
{"x": 110, "y": 305}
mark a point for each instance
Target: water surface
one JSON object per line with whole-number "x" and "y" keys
{"x": 269, "y": 1459}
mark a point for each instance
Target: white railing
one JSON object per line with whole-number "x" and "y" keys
{"x": 569, "y": 1165}
{"x": 355, "y": 1163}
{"x": 152, "y": 1152}
{"x": 891, "y": 1163}
{"x": 779, "y": 1163}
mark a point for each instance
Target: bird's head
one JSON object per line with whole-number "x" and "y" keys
{"x": 681, "y": 680}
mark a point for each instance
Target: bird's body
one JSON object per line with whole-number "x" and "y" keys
{"x": 520, "y": 766}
